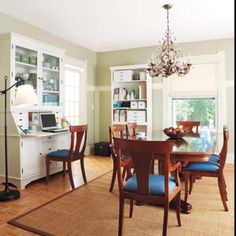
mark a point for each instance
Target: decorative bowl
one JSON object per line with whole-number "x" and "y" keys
{"x": 174, "y": 133}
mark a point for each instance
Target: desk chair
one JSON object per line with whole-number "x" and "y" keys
{"x": 76, "y": 152}
{"x": 118, "y": 131}
{"x": 191, "y": 127}
{"x": 213, "y": 168}
{"x": 143, "y": 186}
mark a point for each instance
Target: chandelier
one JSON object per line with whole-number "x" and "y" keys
{"x": 167, "y": 60}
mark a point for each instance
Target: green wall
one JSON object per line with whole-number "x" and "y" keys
{"x": 141, "y": 56}
{"x": 11, "y": 24}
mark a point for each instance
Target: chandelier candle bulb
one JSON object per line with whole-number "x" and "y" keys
{"x": 169, "y": 58}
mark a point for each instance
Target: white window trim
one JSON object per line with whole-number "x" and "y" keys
{"x": 220, "y": 94}
{"x": 76, "y": 64}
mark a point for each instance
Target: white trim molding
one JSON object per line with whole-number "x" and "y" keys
{"x": 230, "y": 158}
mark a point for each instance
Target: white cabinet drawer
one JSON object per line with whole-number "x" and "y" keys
{"x": 123, "y": 75}
{"x": 136, "y": 113}
{"x": 21, "y": 119}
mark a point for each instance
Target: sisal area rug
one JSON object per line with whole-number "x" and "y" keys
{"x": 91, "y": 210}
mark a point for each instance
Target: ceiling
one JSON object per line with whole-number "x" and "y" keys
{"x": 107, "y": 25}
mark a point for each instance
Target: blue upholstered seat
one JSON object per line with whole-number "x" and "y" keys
{"x": 214, "y": 158}
{"x": 59, "y": 153}
{"x": 203, "y": 166}
{"x": 156, "y": 184}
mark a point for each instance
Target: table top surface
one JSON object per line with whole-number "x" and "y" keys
{"x": 204, "y": 143}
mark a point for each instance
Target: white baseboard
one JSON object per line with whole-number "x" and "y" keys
{"x": 89, "y": 150}
{"x": 230, "y": 158}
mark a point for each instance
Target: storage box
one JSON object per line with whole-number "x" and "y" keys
{"x": 123, "y": 75}
{"x": 102, "y": 149}
{"x": 33, "y": 60}
{"x": 133, "y": 105}
{"x": 18, "y": 56}
{"x": 25, "y": 58}
{"x": 141, "y": 104}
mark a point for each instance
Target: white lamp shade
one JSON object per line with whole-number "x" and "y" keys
{"x": 25, "y": 96}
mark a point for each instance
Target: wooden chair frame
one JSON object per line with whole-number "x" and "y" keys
{"x": 141, "y": 153}
{"x": 120, "y": 132}
{"x": 191, "y": 175}
{"x": 76, "y": 152}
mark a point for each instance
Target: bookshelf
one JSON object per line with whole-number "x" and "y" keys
{"x": 131, "y": 99}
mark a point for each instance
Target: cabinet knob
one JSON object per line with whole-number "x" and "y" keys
{"x": 40, "y": 154}
{"x": 49, "y": 137}
{"x": 49, "y": 149}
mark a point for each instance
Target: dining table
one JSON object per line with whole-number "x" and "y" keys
{"x": 185, "y": 150}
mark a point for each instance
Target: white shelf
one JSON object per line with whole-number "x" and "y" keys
{"x": 25, "y": 65}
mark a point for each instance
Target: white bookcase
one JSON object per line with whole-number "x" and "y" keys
{"x": 131, "y": 99}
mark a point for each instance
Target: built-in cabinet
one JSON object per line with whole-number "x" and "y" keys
{"x": 38, "y": 64}
{"x": 41, "y": 66}
{"x": 131, "y": 96}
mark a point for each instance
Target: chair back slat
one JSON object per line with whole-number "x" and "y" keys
{"x": 78, "y": 140}
{"x": 224, "y": 150}
{"x": 141, "y": 153}
{"x": 131, "y": 129}
{"x": 189, "y": 127}
{"x": 117, "y": 131}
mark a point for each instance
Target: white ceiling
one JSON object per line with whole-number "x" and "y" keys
{"x": 106, "y": 25}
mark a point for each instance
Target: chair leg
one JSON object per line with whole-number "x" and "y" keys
{"x": 192, "y": 180}
{"x": 124, "y": 172}
{"x": 113, "y": 176}
{"x": 83, "y": 170}
{"x": 165, "y": 222}
{"x": 121, "y": 216}
{"x": 64, "y": 169}
{"x": 70, "y": 175}
{"x": 178, "y": 200}
{"x": 186, "y": 179}
{"x": 47, "y": 169}
{"x": 131, "y": 208}
{"x": 225, "y": 188}
{"x": 222, "y": 191}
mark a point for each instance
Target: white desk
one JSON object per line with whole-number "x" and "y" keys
{"x": 26, "y": 155}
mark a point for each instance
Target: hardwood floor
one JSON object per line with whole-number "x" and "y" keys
{"x": 37, "y": 193}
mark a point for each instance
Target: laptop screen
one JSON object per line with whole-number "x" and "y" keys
{"x": 48, "y": 120}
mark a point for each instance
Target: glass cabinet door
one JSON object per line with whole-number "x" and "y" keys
{"x": 26, "y": 66}
{"x": 50, "y": 80}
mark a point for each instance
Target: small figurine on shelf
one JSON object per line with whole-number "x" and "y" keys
{"x": 64, "y": 123}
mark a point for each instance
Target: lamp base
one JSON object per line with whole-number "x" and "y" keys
{"x": 9, "y": 195}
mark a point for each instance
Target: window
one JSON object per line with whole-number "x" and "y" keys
{"x": 75, "y": 108}
{"x": 200, "y": 109}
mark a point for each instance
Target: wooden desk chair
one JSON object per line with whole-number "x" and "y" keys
{"x": 131, "y": 129}
{"x": 146, "y": 187}
{"x": 76, "y": 152}
{"x": 213, "y": 168}
{"x": 191, "y": 127}
{"x": 118, "y": 131}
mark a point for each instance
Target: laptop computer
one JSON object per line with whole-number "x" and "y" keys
{"x": 49, "y": 124}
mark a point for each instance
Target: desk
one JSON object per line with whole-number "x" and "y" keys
{"x": 27, "y": 155}
{"x": 188, "y": 149}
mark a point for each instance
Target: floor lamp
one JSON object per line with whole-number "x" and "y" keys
{"x": 25, "y": 96}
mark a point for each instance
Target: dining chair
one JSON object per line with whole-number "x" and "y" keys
{"x": 120, "y": 132}
{"x": 143, "y": 186}
{"x": 76, "y": 152}
{"x": 190, "y": 127}
{"x": 131, "y": 129}
{"x": 213, "y": 168}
